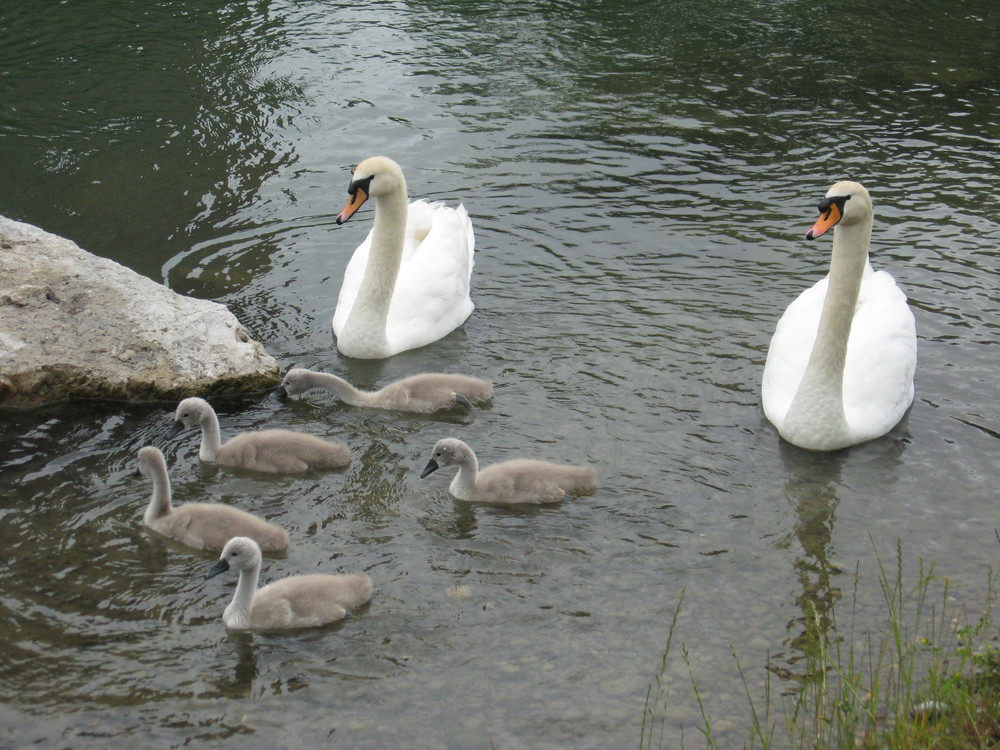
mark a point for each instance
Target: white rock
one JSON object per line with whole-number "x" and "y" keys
{"x": 73, "y": 324}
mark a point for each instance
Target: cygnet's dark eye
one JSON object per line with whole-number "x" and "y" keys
{"x": 232, "y": 554}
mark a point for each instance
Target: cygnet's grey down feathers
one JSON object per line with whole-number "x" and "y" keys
{"x": 272, "y": 451}
{"x": 282, "y": 452}
{"x": 517, "y": 481}
{"x": 303, "y": 601}
{"x": 200, "y": 525}
{"x": 424, "y": 393}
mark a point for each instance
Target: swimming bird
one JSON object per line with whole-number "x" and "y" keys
{"x": 272, "y": 451}
{"x": 424, "y": 393}
{"x": 517, "y": 481}
{"x": 200, "y": 525}
{"x": 304, "y": 601}
{"x": 840, "y": 366}
{"x": 408, "y": 283}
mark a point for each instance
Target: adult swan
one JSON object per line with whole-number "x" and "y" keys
{"x": 840, "y": 367}
{"x": 408, "y": 282}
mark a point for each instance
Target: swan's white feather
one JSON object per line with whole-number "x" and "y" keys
{"x": 432, "y": 293}
{"x": 881, "y": 355}
{"x": 878, "y": 364}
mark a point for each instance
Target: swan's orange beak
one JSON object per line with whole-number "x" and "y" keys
{"x": 825, "y": 222}
{"x": 358, "y": 197}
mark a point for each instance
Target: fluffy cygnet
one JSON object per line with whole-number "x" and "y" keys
{"x": 518, "y": 481}
{"x": 273, "y": 451}
{"x": 304, "y": 601}
{"x": 424, "y": 393}
{"x": 200, "y": 525}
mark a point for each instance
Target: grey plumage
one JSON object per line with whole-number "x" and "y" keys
{"x": 517, "y": 481}
{"x": 302, "y": 601}
{"x": 272, "y": 451}
{"x": 424, "y": 393}
{"x": 200, "y": 525}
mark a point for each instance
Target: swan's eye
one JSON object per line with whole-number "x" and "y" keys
{"x": 827, "y": 204}
{"x": 364, "y": 184}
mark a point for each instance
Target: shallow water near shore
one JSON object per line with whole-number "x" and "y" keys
{"x": 640, "y": 181}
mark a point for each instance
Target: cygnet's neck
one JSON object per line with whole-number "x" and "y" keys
{"x": 237, "y": 614}
{"x": 338, "y": 387}
{"x": 820, "y": 396}
{"x": 159, "y": 503}
{"x": 211, "y": 438}
{"x": 463, "y": 486}
{"x": 364, "y": 332}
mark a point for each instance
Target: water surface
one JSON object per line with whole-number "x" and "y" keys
{"x": 640, "y": 179}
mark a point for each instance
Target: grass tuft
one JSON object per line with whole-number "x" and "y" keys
{"x": 928, "y": 677}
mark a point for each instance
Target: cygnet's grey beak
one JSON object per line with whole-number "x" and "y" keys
{"x": 220, "y": 567}
{"x": 430, "y": 468}
{"x": 281, "y": 392}
{"x": 178, "y": 426}
{"x": 137, "y": 472}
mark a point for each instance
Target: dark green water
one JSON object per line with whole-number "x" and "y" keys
{"x": 640, "y": 177}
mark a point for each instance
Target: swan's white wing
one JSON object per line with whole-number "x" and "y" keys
{"x": 789, "y": 351}
{"x": 881, "y": 358}
{"x": 431, "y": 297}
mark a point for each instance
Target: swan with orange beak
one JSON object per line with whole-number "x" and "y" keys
{"x": 407, "y": 285}
{"x": 840, "y": 366}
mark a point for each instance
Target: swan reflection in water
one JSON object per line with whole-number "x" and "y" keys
{"x": 815, "y": 487}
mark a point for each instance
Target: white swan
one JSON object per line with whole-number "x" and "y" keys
{"x": 272, "y": 451}
{"x": 306, "y": 601}
{"x": 518, "y": 481}
{"x": 200, "y": 525}
{"x": 408, "y": 282}
{"x": 423, "y": 394}
{"x": 840, "y": 367}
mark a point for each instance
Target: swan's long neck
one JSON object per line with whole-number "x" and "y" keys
{"x": 237, "y": 614}
{"x": 159, "y": 503}
{"x": 211, "y": 438}
{"x": 338, "y": 387}
{"x": 820, "y": 396}
{"x": 463, "y": 486}
{"x": 366, "y": 323}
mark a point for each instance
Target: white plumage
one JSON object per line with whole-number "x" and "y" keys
{"x": 840, "y": 366}
{"x": 408, "y": 283}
